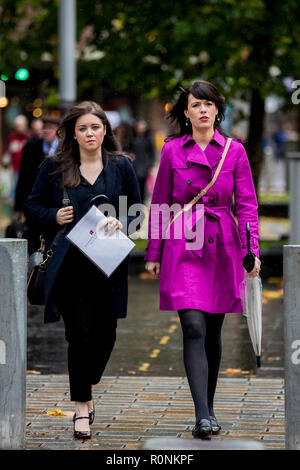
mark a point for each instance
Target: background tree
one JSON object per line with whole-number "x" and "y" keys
{"x": 150, "y": 48}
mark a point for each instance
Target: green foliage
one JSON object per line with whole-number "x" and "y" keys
{"x": 152, "y": 46}
{"x": 28, "y": 28}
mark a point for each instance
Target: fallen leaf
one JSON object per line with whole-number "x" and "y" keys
{"x": 273, "y": 294}
{"x": 55, "y": 413}
{"x": 131, "y": 372}
{"x": 32, "y": 372}
{"x": 236, "y": 372}
{"x": 145, "y": 276}
{"x": 275, "y": 358}
{"x": 274, "y": 280}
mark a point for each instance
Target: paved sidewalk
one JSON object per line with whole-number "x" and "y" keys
{"x": 130, "y": 410}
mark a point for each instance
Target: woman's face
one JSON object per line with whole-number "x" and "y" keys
{"x": 202, "y": 113}
{"x": 89, "y": 132}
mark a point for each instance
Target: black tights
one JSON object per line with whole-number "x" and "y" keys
{"x": 202, "y": 349}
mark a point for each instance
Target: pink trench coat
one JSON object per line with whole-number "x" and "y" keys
{"x": 209, "y": 278}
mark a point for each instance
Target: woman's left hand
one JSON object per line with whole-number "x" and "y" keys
{"x": 255, "y": 271}
{"x": 111, "y": 225}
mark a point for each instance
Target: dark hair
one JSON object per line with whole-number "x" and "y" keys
{"x": 201, "y": 90}
{"x": 68, "y": 155}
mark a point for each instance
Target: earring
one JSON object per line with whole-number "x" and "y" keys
{"x": 218, "y": 119}
{"x": 75, "y": 137}
{"x": 187, "y": 121}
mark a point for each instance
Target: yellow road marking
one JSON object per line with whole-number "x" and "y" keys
{"x": 172, "y": 328}
{"x": 144, "y": 366}
{"x": 164, "y": 340}
{"x": 155, "y": 353}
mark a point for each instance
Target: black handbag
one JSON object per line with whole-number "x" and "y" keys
{"x": 38, "y": 265}
{"x": 16, "y": 229}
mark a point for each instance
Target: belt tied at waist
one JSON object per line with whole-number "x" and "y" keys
{"x": 195, "y": 224}
{"x": 208, "y": 210}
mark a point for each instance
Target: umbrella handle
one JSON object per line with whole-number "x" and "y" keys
{"x": 248, "y": 236}
{"x": 258, "y": 363}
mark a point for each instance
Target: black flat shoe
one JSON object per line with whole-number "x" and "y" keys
{"x": 215, "y": 427}
{"x": 81, "y": 434}
{"x": 202, "y": 429}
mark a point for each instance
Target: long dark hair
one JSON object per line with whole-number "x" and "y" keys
{"x": 68, "y": 155}
{"x": 201, "y": 90}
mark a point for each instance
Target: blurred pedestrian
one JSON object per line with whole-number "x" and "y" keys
{"x": 279, "y": 139}
{"x": 143, "y": 151}
{"x": 34, "y": 152}
{"x": 124, "y": 135}
{"x": 89, "y": 163}
{"x": 202, "y": 283}
{"x": 36, "y": 127}
{"x": 13, "y": 149}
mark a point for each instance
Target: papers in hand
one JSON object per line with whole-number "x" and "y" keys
{"x": 106, "y": 251}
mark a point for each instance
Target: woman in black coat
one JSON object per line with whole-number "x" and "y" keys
{"x": 89, "y": 163}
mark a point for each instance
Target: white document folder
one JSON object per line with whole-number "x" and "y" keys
{"x": 105, "y": 251}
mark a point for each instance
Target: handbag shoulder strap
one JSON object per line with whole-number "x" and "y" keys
{"x": 66, "y": 202}
{"x": 204, "y": 191}
{"x": 214, "y": 179}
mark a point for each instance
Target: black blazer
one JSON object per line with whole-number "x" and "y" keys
{"x": 40, "y": 210}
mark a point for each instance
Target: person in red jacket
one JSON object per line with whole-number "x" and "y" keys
{"x": 12, "y": 154}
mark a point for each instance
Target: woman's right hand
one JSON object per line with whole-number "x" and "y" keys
{"x": 65, "y": 215}
{"x": 153, "y": 267}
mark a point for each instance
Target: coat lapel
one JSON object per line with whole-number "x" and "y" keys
{"x": 72, "y": 195}
{"x": 196, "y": 155}
{"x": 110, "y": 173}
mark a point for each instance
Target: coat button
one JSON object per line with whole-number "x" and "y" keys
{"x": 189, "y": 181}
{"x": 188, "y": 164}
{"x": 210, "y": 240}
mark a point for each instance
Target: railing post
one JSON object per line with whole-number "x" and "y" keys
{"x": 291, "y": 277}
{"x": 13, "y": 322}
{"x": 294, "y": 213}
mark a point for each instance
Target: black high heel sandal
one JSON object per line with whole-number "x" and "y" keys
{"x": 92, "y": 414}
{"x": 81, "y": 434}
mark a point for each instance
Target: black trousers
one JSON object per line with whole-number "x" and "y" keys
{"x": 81, "y": 296}
{"x": 91, "y": 338}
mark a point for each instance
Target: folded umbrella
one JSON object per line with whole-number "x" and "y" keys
{"x": 253, "y": 300}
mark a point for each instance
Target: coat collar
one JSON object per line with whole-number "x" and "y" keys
{"x": 195, "y": 154}
{"x": 217, "y": 137}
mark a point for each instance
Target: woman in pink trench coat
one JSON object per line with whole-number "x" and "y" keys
{"x": 202, "y": 282}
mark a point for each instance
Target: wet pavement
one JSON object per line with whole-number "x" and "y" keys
{"x": 149, "y": 342}
{"x": 133, "y": 413}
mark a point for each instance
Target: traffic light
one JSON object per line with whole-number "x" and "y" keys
{"x": 22, "y": 74}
